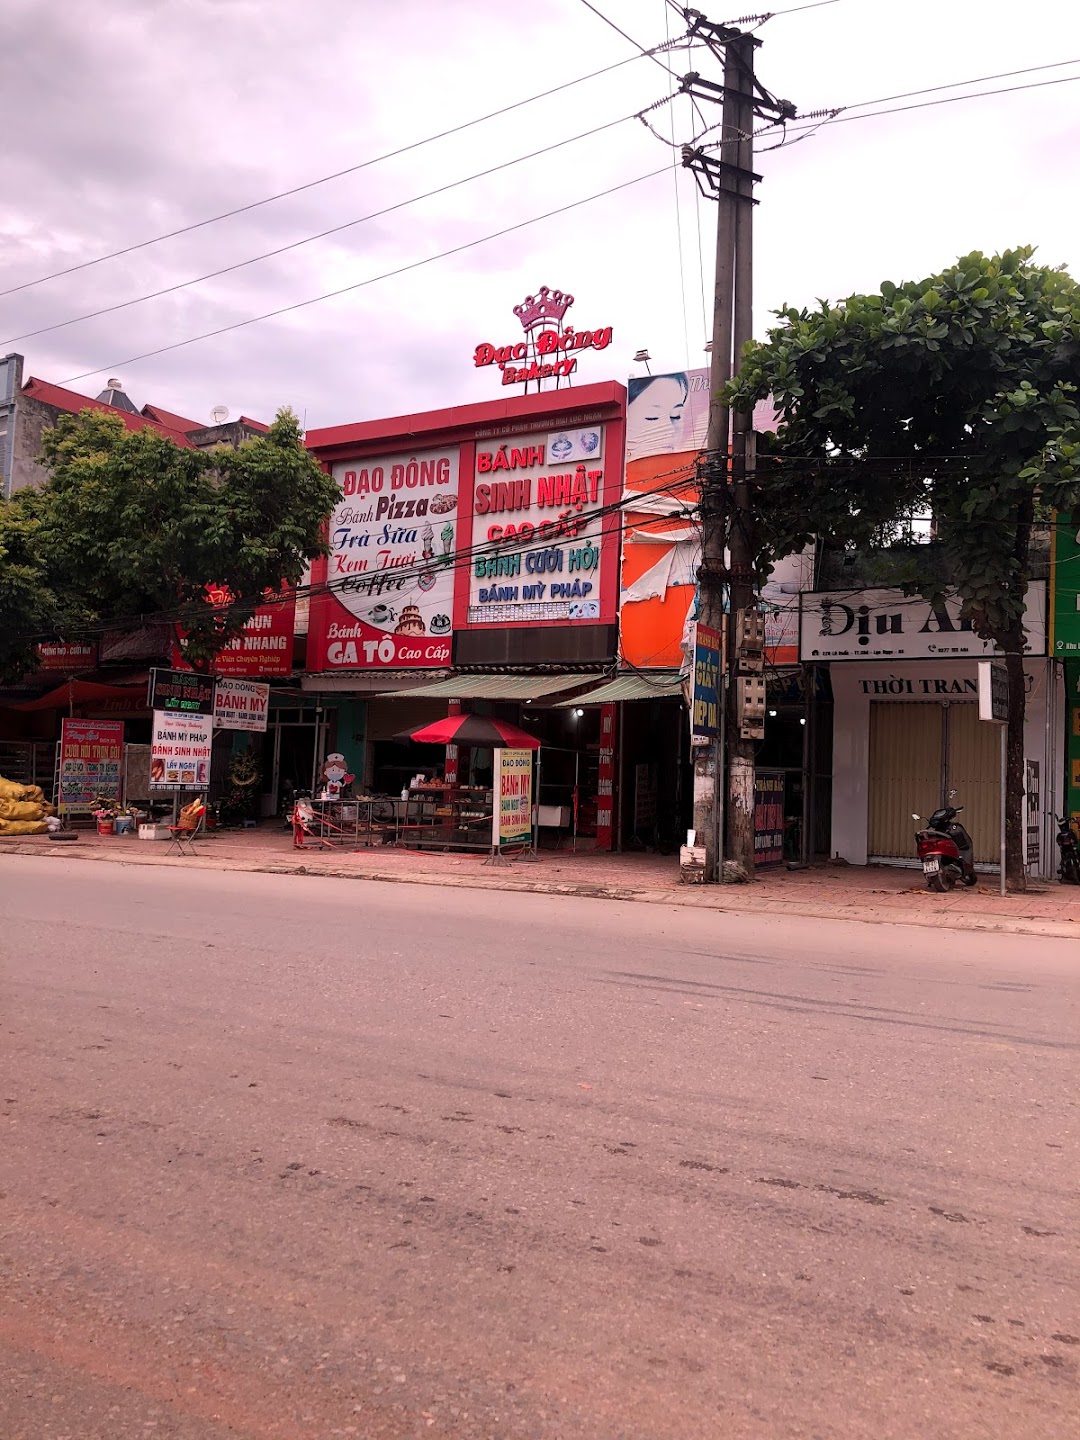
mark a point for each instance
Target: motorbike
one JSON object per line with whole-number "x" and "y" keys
{"x": 1068, "y": 852}
{"x": 945, "y": 849}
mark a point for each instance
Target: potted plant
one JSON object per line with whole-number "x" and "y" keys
{"x": 105, "y": 815}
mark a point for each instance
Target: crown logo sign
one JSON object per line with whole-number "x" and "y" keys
{"x": 546, "y": 309}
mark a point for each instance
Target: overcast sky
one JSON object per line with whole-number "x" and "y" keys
{"x": 134, "y": 117}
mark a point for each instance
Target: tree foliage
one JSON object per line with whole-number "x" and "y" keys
{"x": 953, "y": 396}
{"x": 130, "y": 524}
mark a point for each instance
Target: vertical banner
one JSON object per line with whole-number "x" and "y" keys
{"x": 450, "y": 772}
{"x": 1072, "y": 714}
{"x": 768, "y": 818}
{"x": 705, "y": 714}
{"x": 605, "y": 798}
{"x": 511, "y": 821}
{"x": 180, "y": 750}
{"x": 91, "y": 763}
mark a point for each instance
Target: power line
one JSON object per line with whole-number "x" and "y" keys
{"x": 462, "y": 558}
{"x": 361, "y": 284}
{"x": 325, "y": 179}
{"x": 320, "y": 235}
{"x": 675, "y": 167}
{"x": 828, "y": 117}
{"x": 619, "y": 31}
{"x": 772, "y": 14}
{"x": 841, "y": 119}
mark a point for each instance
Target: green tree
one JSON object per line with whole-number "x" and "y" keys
{"x": 954, "y": 396}
{"x": 28, "y": 605}
{"x": 130, "y": 524}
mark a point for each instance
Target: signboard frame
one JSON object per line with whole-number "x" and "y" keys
{"x": 705, "y": 707}
{"x": 879, "y": 624}
{"x": 193, "y": 733}
{"x": 182, "y": 692}
{"x": 511, "y": 817}
{"x": 993, "y": 692}
{"x": 241, "y": 704}
{"x": 79, "y": 736}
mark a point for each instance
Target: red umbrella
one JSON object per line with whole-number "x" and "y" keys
{"x": 477, "y": 730}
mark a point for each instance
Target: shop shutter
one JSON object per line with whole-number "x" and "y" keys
{"x": 906, "y": 741}
{"x": 974, "y": 772}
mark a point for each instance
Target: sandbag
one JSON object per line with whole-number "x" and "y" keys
{"x": 21, "y": 810}
{"x": 11, "y": 790}
{"x": 33, "y": 792}
{"x": 22, "y": 827}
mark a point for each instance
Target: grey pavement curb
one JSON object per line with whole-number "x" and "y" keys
{"x": 692, "y": 897}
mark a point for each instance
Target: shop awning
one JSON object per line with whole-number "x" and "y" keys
{"x": 88, "y": 692}
{"x": 654, "y": 685}
{"x": 496, "y": 687}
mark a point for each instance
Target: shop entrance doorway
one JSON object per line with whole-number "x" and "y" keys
{"x": 295, "y": 742}
{"x": 918, "y": 753}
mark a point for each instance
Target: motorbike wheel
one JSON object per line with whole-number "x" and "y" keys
{"x": 970, "y": 880}
{"x": 943, "y": 881}
{"x": 1070, "y": 873}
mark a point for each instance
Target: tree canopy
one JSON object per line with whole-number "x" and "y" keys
{"x": 130, "y": 524}
{"x": 953, "y": 397}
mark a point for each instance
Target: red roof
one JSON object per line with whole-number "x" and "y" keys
{"x": 174, "y": 422}
{"x": 254, "y": 424}
{"x": 68, "y": 400}
{"x": 487, "y": 412}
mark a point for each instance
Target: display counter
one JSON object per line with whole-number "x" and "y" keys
{"x": 431, "y": 816}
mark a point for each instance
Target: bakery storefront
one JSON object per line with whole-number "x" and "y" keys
{"x": 473, "y": 564}
{"x": 906, "y": 727}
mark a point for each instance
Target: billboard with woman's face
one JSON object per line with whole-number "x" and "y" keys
{"x": 666, "y": 414}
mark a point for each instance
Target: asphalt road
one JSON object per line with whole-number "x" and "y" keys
{"x": 298, "y": 1158}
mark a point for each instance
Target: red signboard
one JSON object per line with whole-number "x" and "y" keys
{"x": 546, "y": 353}
{"x": 91, "y": 757}
{"x": 66, "y": 656}
{"x": 497, "y": 516}
{"x": 265, "y": 645}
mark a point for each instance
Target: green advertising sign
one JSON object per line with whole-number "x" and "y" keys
{"x": 1072, "y": 741}
{"x": 1064, "y": 589}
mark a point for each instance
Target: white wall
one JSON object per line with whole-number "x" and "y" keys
{"x": 853, "y": 688}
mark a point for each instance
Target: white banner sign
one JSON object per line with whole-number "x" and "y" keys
{"x": 889, "y": 625}
{"x": 240, "y": 705}
{"x": 180, "y": 751}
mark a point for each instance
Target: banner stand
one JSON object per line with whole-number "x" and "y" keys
{"x": 512, "y": 806}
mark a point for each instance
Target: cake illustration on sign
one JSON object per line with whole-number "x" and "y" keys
{"x": 411, "y": 622}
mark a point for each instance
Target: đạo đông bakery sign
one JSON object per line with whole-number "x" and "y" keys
{"x": 549, "y": 350}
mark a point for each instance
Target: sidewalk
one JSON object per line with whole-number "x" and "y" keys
{"x": 876, "y": 894}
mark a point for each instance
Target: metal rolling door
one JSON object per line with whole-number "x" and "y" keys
{"x": 906, "y": 745}
{"x": 973, "y": 770}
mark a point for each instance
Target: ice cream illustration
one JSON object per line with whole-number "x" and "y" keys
{"x": 446, "y": 535}
{"x": 427, "y": 534}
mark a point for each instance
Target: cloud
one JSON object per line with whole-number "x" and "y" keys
{"x": 142, "y": 117}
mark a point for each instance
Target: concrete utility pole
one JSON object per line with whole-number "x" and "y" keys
{"x": 726, "y": 514}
